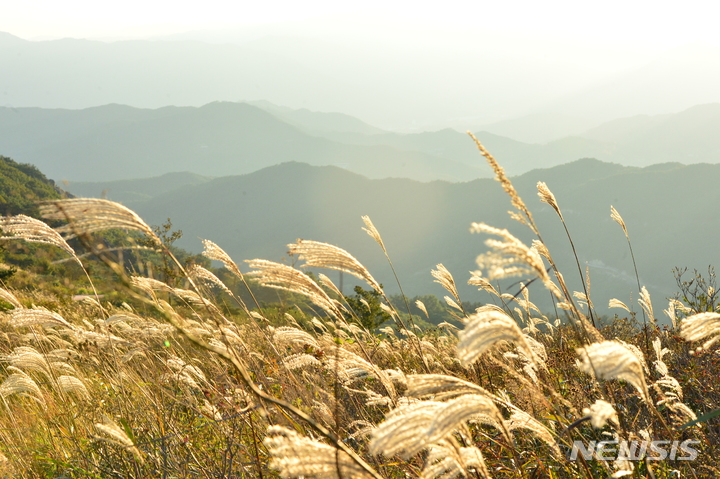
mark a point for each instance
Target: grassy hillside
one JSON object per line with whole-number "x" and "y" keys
{"x": 188, "y": 378}
{"x": 22, "y": 186}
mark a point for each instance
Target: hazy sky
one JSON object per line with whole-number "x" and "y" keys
{"x": 642, "y": 23}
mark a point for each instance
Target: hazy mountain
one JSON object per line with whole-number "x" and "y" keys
{"x": 690, "y": 136}
{"x": 424, "y": 224}
{"x": 682, "y": 77}
{"x": 540, "y": 127}
{"x": 318, "y": 122}
{"x": 218, "y": 139}
{"x": 394, "y": 85}
{"x": 130, "y": 192}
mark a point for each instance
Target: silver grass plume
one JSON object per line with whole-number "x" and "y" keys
{"x": 403, "y": 431}
{"x": 600, "y": 413}
{"x": 447, "y": 460}
{"x": 701, "y": 326}
{"x": 546, "y": 196}
{"x": 373, "y": 232}
{"x": 613, "y": 360}
{"x": 324, "y": 255}
{"x": 618, "y": 219}
{"x": 287, "y": 334}
{"x": 71, "y": 384}
{"x": 114, "y": 434}
{"x": 37, "y": 317}
{"x": 10, "y": 298}
{"x": 88, "y": 215}
{"x": 485, "y": 328}
{"x": 456, "y": 412}
{"x": 646, "y": 304}
{"x": 445, "y": 279}
{"x": 476, "y": 279}
{"x": 421, "y": 306}
{"x": 616, "y": 303}
{"x": 510, "y": 256}
{"x": 296, "y": 456}
{"x": 440, "y": 387}
{"x": 327, "y": 282}
{"x": 670, "y": 312}
{"x": 214, "y": 252}
{"x": 198, "y": 273}
{"x": 22, "y": 384}
{"x": 281, "y": 276}
{"x": 521, "y": 420}
{"x": 506, "y": 184}
{"x": 34, "y": 231}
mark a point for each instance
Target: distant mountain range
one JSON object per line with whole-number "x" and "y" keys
{"x": 665, "y": 207}
{"x": 515, "y": 91}
{"x": 116, "y": 142}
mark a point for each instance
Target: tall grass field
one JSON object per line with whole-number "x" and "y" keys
{"x": 189, "y": 374}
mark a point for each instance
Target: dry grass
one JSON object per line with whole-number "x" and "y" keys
{"x": 169, "y": 384}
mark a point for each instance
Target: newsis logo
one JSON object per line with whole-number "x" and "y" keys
{"x": 635, "y": 450}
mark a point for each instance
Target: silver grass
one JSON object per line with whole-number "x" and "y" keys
{"x": 600, "y": 413}
{"x": 510, "y": 256}
{"x": 297, "y": 361}
{"x": 683, "y": 412}
{"x": 10, "y": 298}
{"x": 670, "y": 312}
{"x": 421, "y": 306}
{"x": 37, "y": 317}
{"x": 296, "y": 456}
{"x": 200, "y": 274}
{"x": 440, "y": 387}
{"x": 542, "y": 250}
{"x": 660, "y": 353}
{"x": 27, "y": 358}
{"x": 522, "y": 420}
{"x": 22, "y": 384}
{"x": 456, "y": 412}
{"x": 327, "y": 282}
{"x": 324, "y": 255}
{"x": 701, "y": 326}
{"x": 583, "y": 298}
{"x": 618, "y": 219}
{"x": 445, "y": 279}
{"x": 546, "y": 196}
{"x": 214, "y": 252}
{"x": 669, "y": 388}
{"x": 88, "y": 215}
{"x": 616, "y": 303}
{"x": 71, "y": 384}
{"x": 646, "y": 304}
{"x": 450, "y": 302}
{"x": 287, "y": 334}
{"x": 373, "y": 232}
{"x": 637, "y": 352}
{"x": 403, "y": 431}
{"x": 486, "y": 328}
{"x": 613, "y": 360}
{"x": 447, "y": 460}
{"x": 280, "y": 276}
{"x": 34, "y": 231}
{"x": 476, "y": 279}
{"x": 114, "y": 434}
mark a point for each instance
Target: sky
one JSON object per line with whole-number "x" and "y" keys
{"x": 643, "y": 24}
{"x": 523, "y": 55}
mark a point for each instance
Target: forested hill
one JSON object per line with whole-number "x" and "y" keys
{"x": 22, "y": 185}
